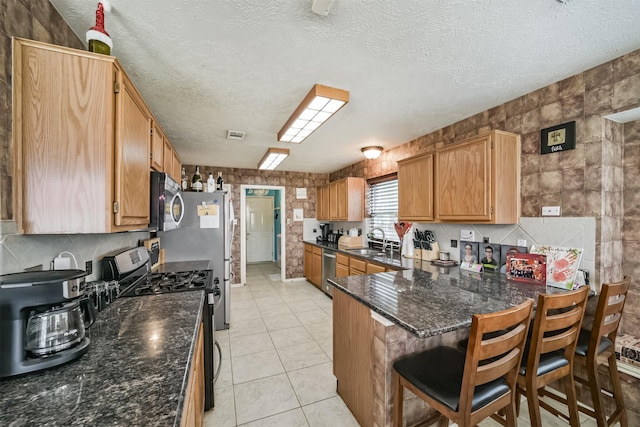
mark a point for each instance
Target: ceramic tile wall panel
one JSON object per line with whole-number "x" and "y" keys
{"x": 24, "y": 251}
{"x": 290, "y": 180}
{"x": 631, "y": 225}
{"x": 36, "y": 20}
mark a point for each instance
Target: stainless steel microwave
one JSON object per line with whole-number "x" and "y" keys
{"x": 167, "y": 206}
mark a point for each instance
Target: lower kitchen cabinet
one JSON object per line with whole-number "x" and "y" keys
{"x": 313, "y": 264}
{"x": 342, "y": 265}
{"x": 375, "y": 268}
{"x": 353, "y": 355}
{"x": 193, "y": 409}
{"x": 357, "y": 267}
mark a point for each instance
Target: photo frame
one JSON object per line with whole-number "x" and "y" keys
{"x": 466, "y": 256}
{"x": 490, "y": 256}
{"x": 528, "y": 268}
{"x": 558, "y": 138}
{"x": 509, "y": 249}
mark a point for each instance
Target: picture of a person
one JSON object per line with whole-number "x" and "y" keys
{"x": 489, "y": 261}
{"x": 469, "y": 256}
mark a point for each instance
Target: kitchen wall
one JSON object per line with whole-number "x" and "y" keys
{"x": 631, "y": 224}
{"x": 588, "y": 181}
{"x": 38, "y": 20}
{"x": 290, "y": 180}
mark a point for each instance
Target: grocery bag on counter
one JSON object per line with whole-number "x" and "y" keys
{"x": 562, "y": 265}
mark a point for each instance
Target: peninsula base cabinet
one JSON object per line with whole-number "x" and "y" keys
{"x": 365, "y": 346}
{"x": 193, "y": 409}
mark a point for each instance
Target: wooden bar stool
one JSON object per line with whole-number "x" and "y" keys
{"x": 596, "y": 347}
{"x": 549, "y": 353}
{"x": 468, "y": 388}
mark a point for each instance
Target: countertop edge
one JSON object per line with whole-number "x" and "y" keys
{"x": 334, "y": 247}
{"x": 395, "y": 320}
{"x": 185, "y": 380}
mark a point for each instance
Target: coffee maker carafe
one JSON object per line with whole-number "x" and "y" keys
{"x": 43, "y": 317}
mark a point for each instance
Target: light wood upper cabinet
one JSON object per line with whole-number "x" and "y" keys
{"x": 157, "y": 149}
{"x": 478, "y": 180}
{"x": 168, "y": 158}
{"x": 341, "y": 200}
{"x": 82, "y": 141}
{"x": 133, "y": 134}
{"x": 177, "y": 167}
{"x": 415, "y": 188}
{"x": 322, "y": 207}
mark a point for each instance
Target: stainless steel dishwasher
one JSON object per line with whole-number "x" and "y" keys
{"x": 328, "y": 269}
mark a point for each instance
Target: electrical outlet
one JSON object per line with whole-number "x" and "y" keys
{"x": 485, "y": 239}
{"x": 88, "y": 267}
{"x": 551, "y": 211}
{"x": 522, "y": 242}
{"x": 454, "y": 243}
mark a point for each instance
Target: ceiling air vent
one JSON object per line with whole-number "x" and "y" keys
{"x": 235, "y": 134}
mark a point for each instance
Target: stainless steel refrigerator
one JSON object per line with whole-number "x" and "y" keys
{"x": 205, "y": 233}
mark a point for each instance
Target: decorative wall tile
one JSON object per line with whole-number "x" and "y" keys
{"x": 572, "y": 108}
{"x": 626, "y": 66}
{"x": 575, "y": 158}
{"x": 626, "y": 93}
{"x": 599, "y": 76}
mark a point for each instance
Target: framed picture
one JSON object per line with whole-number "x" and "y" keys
{"x": 509, "y": 249}
{"x": 529, "y": 268}
{"x": 468, "y": 252}
{"x": 562, "y": 265}
{"x": 490, "y": 256}
{"x": 558, "y": 138}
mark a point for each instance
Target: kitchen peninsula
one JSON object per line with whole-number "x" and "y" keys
{"x": 136, "y": 372}
{"x": 378, "y": 318}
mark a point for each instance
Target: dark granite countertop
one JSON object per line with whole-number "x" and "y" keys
{"x": 135, "y": 372}
{"x": 391, "y": 260}
{"x": 429, "y": 303}
{"x": 182, "y": 266}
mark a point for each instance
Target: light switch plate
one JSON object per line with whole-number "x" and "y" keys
{"x": 467, "y": 235}
{"x": 551, "y": 211}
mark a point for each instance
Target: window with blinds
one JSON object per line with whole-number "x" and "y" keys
{"x": 383, "y": 208}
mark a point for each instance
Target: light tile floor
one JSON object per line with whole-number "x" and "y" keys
{"x": 276, "y": 357}
{"x": 276, "y": 360}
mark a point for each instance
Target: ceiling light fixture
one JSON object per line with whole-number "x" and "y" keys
{"x": 371, "y": 152}
{"x": 320, "y": 103}
{"x": 273, "y": 158}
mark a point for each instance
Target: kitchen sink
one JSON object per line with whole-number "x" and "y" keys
{"x": 367, "y": 252}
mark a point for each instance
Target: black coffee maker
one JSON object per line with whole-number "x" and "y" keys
{"x": 325, "y": 227}
{"x": 43, "y": 317}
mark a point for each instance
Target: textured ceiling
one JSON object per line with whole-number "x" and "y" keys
{"x": 411, "y": 66}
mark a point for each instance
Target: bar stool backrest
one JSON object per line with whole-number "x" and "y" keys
{"x": 607, "y": 319}
{"x": 556, "y": 325}
{"x": 496, "y": 345}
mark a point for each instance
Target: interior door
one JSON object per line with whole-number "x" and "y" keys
{"x": 259, "y": 217}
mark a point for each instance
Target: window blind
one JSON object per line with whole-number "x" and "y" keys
{"x": 383, "y": 208}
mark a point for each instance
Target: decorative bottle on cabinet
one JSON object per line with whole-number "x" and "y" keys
{"x": 219, "y": 181}
{"x": 196, "y": 181}
{"x": 211, "y": 184}
{"x": 184, "y": 180}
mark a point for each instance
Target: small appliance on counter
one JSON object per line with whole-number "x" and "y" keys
{"x": 43, "y": 318}
{"x": 326, "y": 231}
{"x": 334, "y": 237}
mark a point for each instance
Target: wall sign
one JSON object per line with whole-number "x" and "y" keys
{"x": 558, "y": 138}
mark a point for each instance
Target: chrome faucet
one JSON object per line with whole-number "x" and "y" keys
{"x": 384, "y": 238}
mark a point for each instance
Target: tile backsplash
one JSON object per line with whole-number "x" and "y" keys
{"x": 18, "y": 252}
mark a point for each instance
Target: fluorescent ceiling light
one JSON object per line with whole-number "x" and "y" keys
{"x": 371, "y": 152}
{"x": 316, "y": 108}
{"x": 273, "y": 158}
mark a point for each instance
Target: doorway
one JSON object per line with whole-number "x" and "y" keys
{"x": 259, "y": 222}
{"x": 253, "y": 218}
